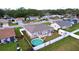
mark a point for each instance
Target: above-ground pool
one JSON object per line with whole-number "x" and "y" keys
{"x": 37, "y": 41}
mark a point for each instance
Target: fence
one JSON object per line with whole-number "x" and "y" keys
{"x": 53, "y": 41}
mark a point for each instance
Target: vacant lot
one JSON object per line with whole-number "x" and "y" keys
{"x": 66, "y": 44}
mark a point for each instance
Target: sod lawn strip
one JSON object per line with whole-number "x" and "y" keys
{"x": 66, "y": 44}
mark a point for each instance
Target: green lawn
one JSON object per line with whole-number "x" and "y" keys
{"x": 47, "y": 23}
{"x": 15, "y": 24}
{"x": 22, "y": 41}
{"x": 77, "y": 33}
{"x": 67, "y": 44}
{"x": 12, "y": 45}
{"x": 74, "y": 27}
{"x": 54, "y": 35}
{"x": 17, "y": 31}
{"x": 8, "y": 47}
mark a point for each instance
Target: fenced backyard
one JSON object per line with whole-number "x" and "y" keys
{"x": 54, "y": 40}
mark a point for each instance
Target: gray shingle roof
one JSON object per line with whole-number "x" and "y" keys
{"x": 38, "y": 27}
{"x": 3, "y": 21}
{"x": 63, "y": 23}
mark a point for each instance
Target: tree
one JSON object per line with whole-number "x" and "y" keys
{"x": 2, "y": 12}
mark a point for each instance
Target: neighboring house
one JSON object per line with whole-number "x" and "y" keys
{"x": 4, "y": 23}
{"x": 61, "y": 24}
{"x": 20, "y": 21}
{"x": 51, "y": 16}
{"x": 7, "y": 35}
{"x": 33, "y": 18}
{"x": 46, "y": 17}
{"x": 38, "y": 30}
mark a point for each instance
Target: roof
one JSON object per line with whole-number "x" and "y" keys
{"x": 19, "y": 19}
{"x": 37, "y": 27}
{"x": 63, "y": 23}
{"x": 3, "y": 21}
{"x": 7, "y": 32}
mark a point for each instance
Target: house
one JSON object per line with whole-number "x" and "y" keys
{"x": 46, "y": 17}
{"x": 7, "y": 35}
{"x": 4, "y": 23}
{"x": 19, "y": 21}
{"x": 33, "y": 18}
{"x": 61, "y": 24}
{"x": 38, "y": 30}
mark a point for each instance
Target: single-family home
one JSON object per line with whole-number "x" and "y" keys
{"x": 4, "y": 23}
{"x": 46, "y": 17}
{"x": 33, "y": 18}
{"x": 38, "y": 30}
{"x": 20, "y": 21}
{"x": 61, "y": 24}
{"x": 7, "y": 35}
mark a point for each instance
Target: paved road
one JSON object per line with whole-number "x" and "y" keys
{"x": 21, "y": 25}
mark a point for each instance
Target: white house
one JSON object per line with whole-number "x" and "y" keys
{"x": 61, "y": 24}
{"x": 4, "y": 23}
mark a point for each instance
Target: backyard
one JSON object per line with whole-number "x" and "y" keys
{"x": 66, "y": 44}
{"x": 54, "y": 35}
{"x": 74, "y": 27}
{"x": 12, "y": 45}
{"x": 77, "y": 33}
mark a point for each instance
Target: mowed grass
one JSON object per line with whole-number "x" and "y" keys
{"x": 22, "y": 41}
{"x": 53, "y": 36}
{"x": 13, "y": 45}
{"x": 74, "y": 27}
{"x": 77, "y": 33}
{"x": 8, "y": 47}
{"x": 47, "y": 23}
{"x": 66, "y": 44}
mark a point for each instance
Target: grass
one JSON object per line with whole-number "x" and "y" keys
{"x": 15, "y": 24}
{"x": 67, "y": 44}
{"x": 74, "y": 27}
{"x": 12, "y": 45}
{"x": 22, "y": 41}
{"x": 54, "y": 35}
{"x": 24, "y": 45}
{"x": 17, "y": 31}
{"x": 77, "y": 33}
{"x": 8, "y": 47}
{"x": 47, "y": 23}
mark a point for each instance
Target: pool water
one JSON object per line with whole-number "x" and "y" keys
{"x": 37, "y": 41}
